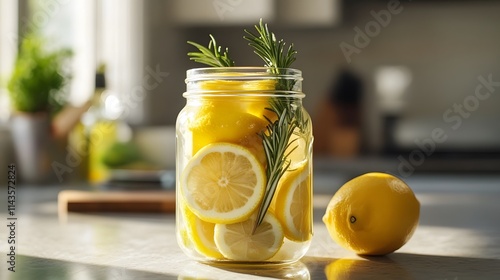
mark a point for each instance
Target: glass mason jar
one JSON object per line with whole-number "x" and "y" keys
{"x": 244, "y": 166}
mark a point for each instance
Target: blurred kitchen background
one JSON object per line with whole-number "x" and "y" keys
{"x": 398, "y": 86}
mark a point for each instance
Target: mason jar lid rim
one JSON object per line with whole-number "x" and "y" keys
{"x": 250, "y": 72}
{"x": 297, "y": 71}
{"x": 247, "y": 93}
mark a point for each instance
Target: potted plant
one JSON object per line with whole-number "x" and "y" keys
{"x": 36, "y": 94}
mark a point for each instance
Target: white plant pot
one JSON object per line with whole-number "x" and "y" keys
{"x": 31, "y": 141}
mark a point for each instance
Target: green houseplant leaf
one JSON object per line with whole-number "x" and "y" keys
{"x": 38, "y": 77}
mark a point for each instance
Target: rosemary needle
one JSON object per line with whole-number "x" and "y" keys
{"x": 212, "y": 56}
{"x": 276, "y": 137}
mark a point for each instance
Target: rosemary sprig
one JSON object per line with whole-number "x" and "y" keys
{"x": 212, "y": 56}
{"x": 276, "y": 138}
{"x": 269, "y": 49}
{"x": 275, "y": 148}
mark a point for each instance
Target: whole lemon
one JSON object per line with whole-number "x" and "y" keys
{"x": 372, "y": 214}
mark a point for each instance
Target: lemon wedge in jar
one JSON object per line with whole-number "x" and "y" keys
{"x": 238, "y": 241}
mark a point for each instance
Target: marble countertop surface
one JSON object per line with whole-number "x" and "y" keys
{"x": 458, "y": 237}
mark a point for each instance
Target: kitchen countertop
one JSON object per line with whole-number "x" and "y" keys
{"x": 458, "y": 237}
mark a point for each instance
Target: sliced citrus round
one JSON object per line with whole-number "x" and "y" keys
{"x": 201, "y": 233}
{"x": 237, "y": 85}
{"x": 223, "y": 183}
{"x": 293, "y": 204}
{"x": 222, "y": 118}
{"x": 212, "y": 125}
{"x": 255, "y": 101}
{"x": 297, "y": 150}
{"x": 237, "y": 242}
{"x": 183, "y": 237}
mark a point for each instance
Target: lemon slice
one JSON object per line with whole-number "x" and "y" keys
{"x": 252, "y": 102}
{"x": 297, "y": 150}
{"x": 223, "y": 183}
{"x": 183, "y": 237}
{"x": 201, "y": 234}
{"x": 214, "y": 124}
{"x": 293, "y": 204}
{"x": 237, "y": 85}
{"x": 236, "y": 241}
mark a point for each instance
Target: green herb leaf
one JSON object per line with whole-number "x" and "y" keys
{"x": 271, "y": 50}
{"x": 211, "y": 56}
{"x": 276, "y": 138}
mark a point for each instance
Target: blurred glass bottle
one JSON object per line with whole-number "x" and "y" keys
{"x": 100, "y": 122}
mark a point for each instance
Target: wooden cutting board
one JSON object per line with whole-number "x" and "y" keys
{"x": 116, "y": 201}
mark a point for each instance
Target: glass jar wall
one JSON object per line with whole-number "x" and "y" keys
{"x": 244, "y": 166}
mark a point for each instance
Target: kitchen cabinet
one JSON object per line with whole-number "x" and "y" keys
{"x": 222, "y": 12}
{"x": 292, "y": 13}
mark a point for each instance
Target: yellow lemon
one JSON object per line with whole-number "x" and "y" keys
{"x": 201, "y": 234}
{"x": 183, "y": 237}
{"x": 223, "y": 183}
{"x": 292, "y": 203}
{"x": 297, "y": 150}
{"x": 255, "y": 105}
{"x": 237, "y": 242}
{"x": 373, "y": 214}
{"x": 213, "y": 125}
{"x": 237, "y": 85}
{"x": 221, "y": 118}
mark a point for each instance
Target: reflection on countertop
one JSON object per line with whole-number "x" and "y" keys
{"x": 458, "y": 238}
